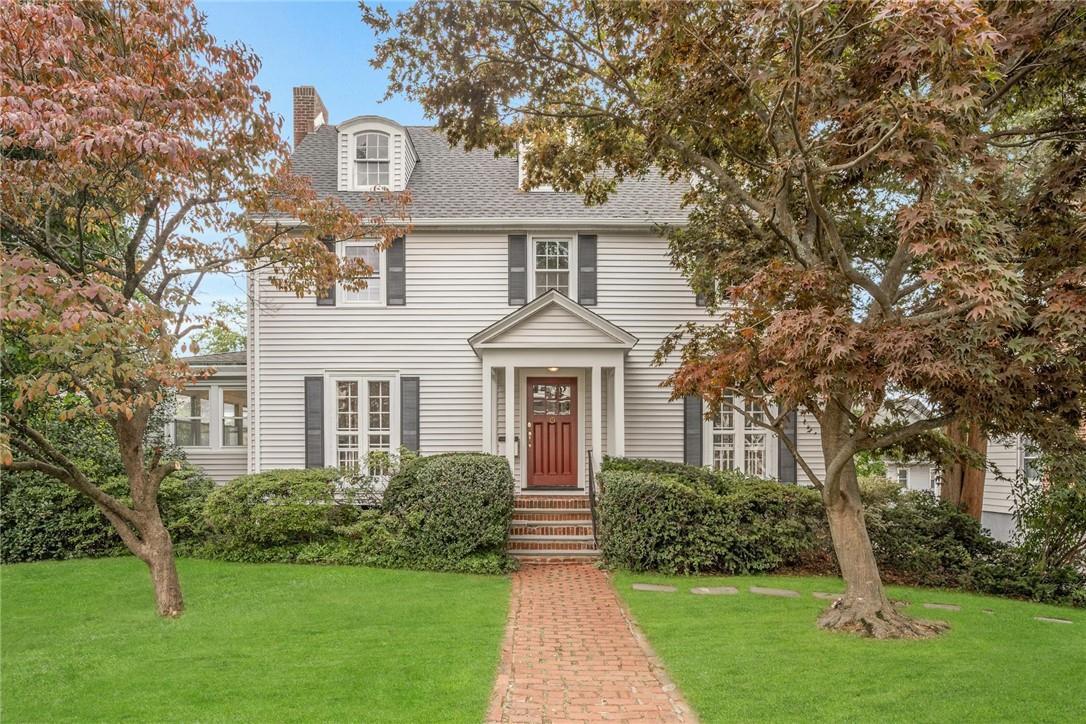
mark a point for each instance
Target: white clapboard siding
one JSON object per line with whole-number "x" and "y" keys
{"x": 220, "y": 464}
{"x": 1006, "y": 456}
{"x": 456, "y": 286}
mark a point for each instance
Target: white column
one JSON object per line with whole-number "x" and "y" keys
{"x": 597, "y": 415}
{"x": 488, "y": 408}
{"x": 618, "y": 444}
{"x": 510, "y": 413}
{"x": 610, "y": 414}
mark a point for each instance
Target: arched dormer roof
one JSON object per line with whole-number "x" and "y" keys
{"x": 402, "y": 156}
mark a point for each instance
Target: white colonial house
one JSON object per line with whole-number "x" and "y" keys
{"x": 522, "y": 323}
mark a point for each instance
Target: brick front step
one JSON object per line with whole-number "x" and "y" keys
{"x": 558, "y": 558}
{"x": 550, "y": 516}
{"x": 540, "y": 530}
{"x": 547, "y": 545}
{"x": 552, "y": 502}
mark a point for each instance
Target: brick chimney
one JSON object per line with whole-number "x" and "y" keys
{"x": 309, "y": 112}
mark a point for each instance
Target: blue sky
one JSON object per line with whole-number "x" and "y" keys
{"x": 323, "y": 44}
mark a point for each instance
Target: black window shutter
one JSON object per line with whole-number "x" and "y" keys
{"x": 693, "y": 420}
{"x": 518, "y": 269}
{"x": 786, "y": 462}
{"x": 396, "y": 288}
{"x": 409, "y": 413}
{"x": 314, "y": 422}
{"x": 586, "y": 269}
{"x": 328, "y": 299}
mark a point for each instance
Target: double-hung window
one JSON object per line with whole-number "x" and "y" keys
{"x": 552, "y": 263}
{"x": 1031, "y": 456}
{"x": 363, "y": 421}
{"x": 373, "y": 293}
{"x": 235, "y": 417}
{"x": 903, "y": 476}
{"x": 738, "y": 443}
{"x": 371, "y": 159}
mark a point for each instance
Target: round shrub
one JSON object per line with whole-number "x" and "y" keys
{"x": 278, "y": 507}
{"x": 452, "y": 506}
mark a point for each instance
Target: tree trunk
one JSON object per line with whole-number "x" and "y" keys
{"x": 963, "y": 484}
{"x": 864, "y": 607}
{"x": 158, "y": 555}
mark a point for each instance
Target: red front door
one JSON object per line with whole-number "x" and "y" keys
{"x": 552, "y": 431}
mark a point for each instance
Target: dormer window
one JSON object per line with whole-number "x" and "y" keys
{"x": 371, "y": 159}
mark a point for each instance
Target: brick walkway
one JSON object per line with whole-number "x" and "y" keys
{"x": 571, "y": 654}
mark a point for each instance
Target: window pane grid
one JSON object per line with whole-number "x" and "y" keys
{"x": 371, "y": 159}
{"x": 754, "y": 454}
{"x": 552, "y": 265}
{"x": 372, "y": 257}
{"x": 738, "y": 443}
{"x": 192, "y": 419}
{"x": 347, "y": 452}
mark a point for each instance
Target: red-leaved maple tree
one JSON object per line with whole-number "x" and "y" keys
{"x": 138, "y": 157}
{"x": 885, "y": 203}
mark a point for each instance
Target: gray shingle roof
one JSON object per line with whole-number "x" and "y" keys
{"x": 211, "y": 360}
{"x": 450, "y": 183}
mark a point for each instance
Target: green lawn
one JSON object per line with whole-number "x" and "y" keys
{"x": 80, "y": 641}
{"x": 753, "y": 658}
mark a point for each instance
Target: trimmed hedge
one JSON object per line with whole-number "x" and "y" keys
{"x": 445, "y": 512}
{"x": 656, "y": 522}
{"x": 42, "y": 519}
{"x": 667, "y": 517}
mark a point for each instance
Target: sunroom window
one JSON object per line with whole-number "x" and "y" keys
{"x": 552, "y": 265}
{"x": 739, "y": 443}
{"x": 192, "y": 419}
{"x": 235, "y": 417}
{"x": 371, "y": 159}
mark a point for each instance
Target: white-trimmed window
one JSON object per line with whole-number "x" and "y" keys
{"x": 235, "y": 417}
{"x": 211, "y": 416}
{"x": 738, "y": 443}
{"x": 552, "y": 262}
{"x": 903, "y": 476}
{"x": 364, "y": 418}
{"x": 1031, "y": 456}
{"x": 367, "y": 251}
{"x": 192, "y": 419}
{"x": 371, "y": 159}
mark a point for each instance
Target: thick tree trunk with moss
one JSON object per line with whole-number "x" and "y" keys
{"x": 864, "y": 608}
{"x": 963, "y": 484}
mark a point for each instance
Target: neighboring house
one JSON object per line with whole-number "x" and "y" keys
{"x": 521, "y": 323}
{"x": 1010, "y": 457}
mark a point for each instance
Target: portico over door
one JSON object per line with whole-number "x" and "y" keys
{"x": 552, "y": 431}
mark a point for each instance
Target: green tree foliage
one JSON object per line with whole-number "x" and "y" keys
{"x": 225, "y": 330}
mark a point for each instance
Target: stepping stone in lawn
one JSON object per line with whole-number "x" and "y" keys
{"x": 1046, "y": 619}
{"x": 943, "y": 606}
{"x": 779, "y": 592}
{"x": 715, "y": 591}
{"x": 988, "y": 611}
{"x": 654, "y": 587}
{"x": 827, "y": 596}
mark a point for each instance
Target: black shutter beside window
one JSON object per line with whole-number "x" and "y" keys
{"x": 314, "y": 422}
{"x": 328, "y": 299}
{"x": 518, "y": 269}
{"x": 409, "y": 413}
{"x": 786, "y": 462}
{"x": 693, "y": 420}
{"x": 586, "y": 269}
{"x": 396, "y": 288}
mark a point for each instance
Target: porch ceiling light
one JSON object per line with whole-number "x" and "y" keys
{"x": 552, "y": 369}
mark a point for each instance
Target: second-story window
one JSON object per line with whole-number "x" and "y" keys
{"x": 552, "y": 265}
{"x": 371, "y": 159}
{"x": 373, "y": 293}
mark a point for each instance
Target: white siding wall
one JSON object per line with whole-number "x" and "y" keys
{"x": 456, "y": 286}
{"x": 221, "y": 465}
